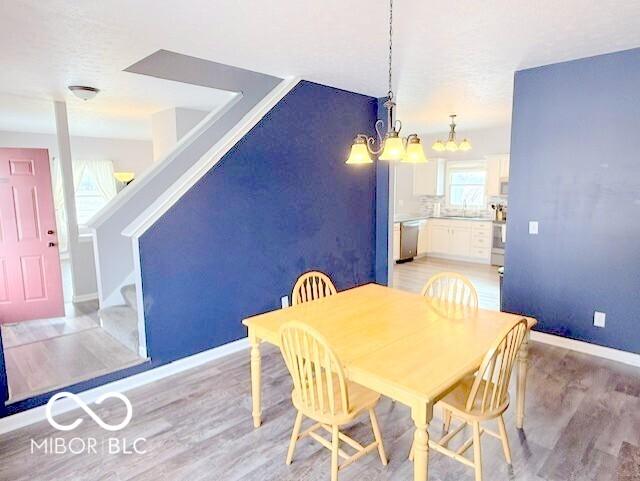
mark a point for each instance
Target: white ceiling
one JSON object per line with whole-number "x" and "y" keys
{"x": 455, "y": 56}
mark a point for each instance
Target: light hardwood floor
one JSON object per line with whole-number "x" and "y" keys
{"x": 583, "y": 424}
{"x": 45, "y": 354}
{"x": 412, "y": 276}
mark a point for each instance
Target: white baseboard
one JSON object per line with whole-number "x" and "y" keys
{"x": 85, "y": 297}
{"x": 624, "y": 357}
{"x": 34, "y": 415}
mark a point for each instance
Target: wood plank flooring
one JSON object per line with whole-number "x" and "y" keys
{"x": 412, "y": 276}
{"x": 583, "y": 424}
{"x": 45, "y": 354}
{"x": 78, "y": 317}
{"x": 41, "y": 366}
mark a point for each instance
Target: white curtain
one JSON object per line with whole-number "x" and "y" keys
{"x": 102, "y": 173}
{"x": 58, "y": 204}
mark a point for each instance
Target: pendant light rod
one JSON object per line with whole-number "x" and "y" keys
{"x": 390, "y": 146}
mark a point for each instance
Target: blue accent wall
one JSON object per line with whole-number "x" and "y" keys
{"x": 575, "y": 169}
{"x": 382, "y": 208}
{"x": 281, "y": 202}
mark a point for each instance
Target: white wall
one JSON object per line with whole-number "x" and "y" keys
{"x": 186, "y": 119}
{"x": 163, "y": 132}
{"x": 494, "y": 140}
{"x": 169, "y": 126}
{"x": 127, "y": 155}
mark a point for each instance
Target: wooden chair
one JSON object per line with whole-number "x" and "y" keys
{"x": 310, "y": 286}
{"x": 451, "y": 287}
{"x": 320, "y": 392}
{"x": 482, "y": 397}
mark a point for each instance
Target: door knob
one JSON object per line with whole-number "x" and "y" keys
{"x": 50, "y": 232}
{"x": 52, "y": 244}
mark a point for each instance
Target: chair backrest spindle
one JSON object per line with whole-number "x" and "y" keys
{"x": 491, "y": 385}
{"x": 451, "y": 287}
{"x": 311, "y": 286}
{"x": 318, "y": 377}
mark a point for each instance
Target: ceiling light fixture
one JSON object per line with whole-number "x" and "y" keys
{"x": 451, "y": 145}
{"x": 391, "y": 146}
{"x": 84, "y": 92}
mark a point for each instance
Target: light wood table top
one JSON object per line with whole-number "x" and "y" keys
{"x": 397, "y": 343}
{"x": 403, "y": 345}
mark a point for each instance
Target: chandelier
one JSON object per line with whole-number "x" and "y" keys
{"x": 451, "y": 145}
{"x": 390, "y": 145}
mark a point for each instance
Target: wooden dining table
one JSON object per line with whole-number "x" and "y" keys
{"x": 407, "y": 347}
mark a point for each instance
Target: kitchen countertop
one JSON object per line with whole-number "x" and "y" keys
{"x": 404, "y": 218}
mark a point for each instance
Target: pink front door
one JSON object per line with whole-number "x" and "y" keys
{"x": 30, "y": 281}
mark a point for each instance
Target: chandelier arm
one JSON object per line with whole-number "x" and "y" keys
{"x": 379, "y": 126}
{"x": 370, "y": 146}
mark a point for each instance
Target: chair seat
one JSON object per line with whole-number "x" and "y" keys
{"x": 360, "y": 399}
{"x": 456, "y": 400}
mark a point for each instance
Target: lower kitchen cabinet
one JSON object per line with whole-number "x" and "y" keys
{"x": 396, "y": 241}
{"x": 423, "y": 238}
{"x": 459, "y": 239}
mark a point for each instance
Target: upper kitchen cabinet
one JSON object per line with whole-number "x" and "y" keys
{"x": 497, "y": 172}
{"x": 428, "y": 179}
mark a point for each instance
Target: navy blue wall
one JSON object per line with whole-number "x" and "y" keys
{"x": 575, "y": 168}
{"x": 281, "y": 202}
{"x": 382, "y": 208}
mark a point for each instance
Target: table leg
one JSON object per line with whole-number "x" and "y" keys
{"x": 523, "y": 362}
{"x": 421, "y": 416}
{"x": 256, "y": 394}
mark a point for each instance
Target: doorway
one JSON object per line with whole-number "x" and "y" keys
{"x": 30, "y": 273}
{"x": 48, "y": 340}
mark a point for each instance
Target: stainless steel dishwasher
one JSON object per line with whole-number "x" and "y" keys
{"x": 408, "y": 240}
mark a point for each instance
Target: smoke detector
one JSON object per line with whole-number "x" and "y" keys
{"x": 83, "y": 92}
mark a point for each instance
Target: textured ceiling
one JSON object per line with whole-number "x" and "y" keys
{"x": 449, "y": 56}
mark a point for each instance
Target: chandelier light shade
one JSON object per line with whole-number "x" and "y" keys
{"x": 391, "y": 145}
{"x": 464, "y": 145}
{"x": 451, "y": 145}
{"x": 414, "y": 153}
{"x": 359, "y": 153}
{"x": 438, "y": 146}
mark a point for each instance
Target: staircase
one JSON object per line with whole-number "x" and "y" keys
{"x": 121, "y": 321}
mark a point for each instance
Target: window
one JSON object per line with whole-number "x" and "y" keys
{"x": 466, "y": 184}
{"x": 95, "y": 187}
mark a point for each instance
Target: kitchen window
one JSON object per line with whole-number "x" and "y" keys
{"x": 466, "y": 184}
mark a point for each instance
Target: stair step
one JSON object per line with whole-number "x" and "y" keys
{"x": 129, "y": 294}
{"x": 121, "y": 322}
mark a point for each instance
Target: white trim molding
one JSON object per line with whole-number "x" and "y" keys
{"x": 92, "y": 296}
{"x": 34, "y": 415}
{"x": 163, "y": 203}
{"x": 617, "y": 355}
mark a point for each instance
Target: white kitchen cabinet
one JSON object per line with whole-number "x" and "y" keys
{"x": 423, "y": 238}
{"x": 396, "y": 241}
{"x": 460, "y": 239}
{"x": 497, "y": 171}
{"x": 428, "y": 179}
